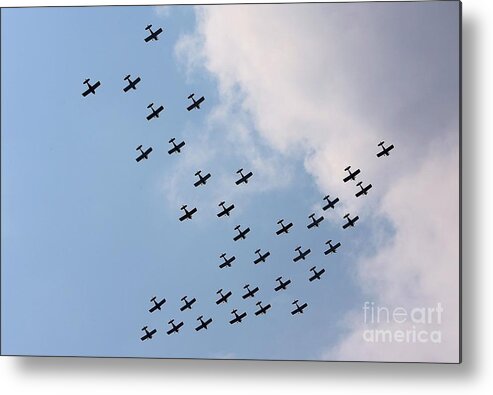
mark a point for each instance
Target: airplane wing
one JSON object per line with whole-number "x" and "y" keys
{"x": 279, "y": 231}
{"x": 86, "y": 92}
{"x": 296, "y": 259}
{"x": 221, "y": 213}
{"x": 173, "y": 150}
{"x": 197, "y": 183}
{"x": 198, "y": 102}
{"x": 240, "y": 181}
{"x": 158, "y": 32}
{"x": 127, "y": 88}
{"x": 309, "y": 226}
{"x": 137, "y": 80}
{"x": 161, "y": 108}
{"x": 153, "y": 309}
{"x": 234, "y": 321}
{"x": 201, "y": 326}
{"x": 358, "y": 194}
{"x": 140, "y": 158}
{"x": 150, "y": 116}
{"x": 258, "y": 260}
{"x": 312, "y": 278}
{"x": 148, "y": 38}
{"x": 193, "y": 211}
{"x": 179, "y": 326}
{"x": 171, "y": 331}
{"x": 236, "y": 238}
{"x": 347, "y": 178}
{"x": 181, "y": 145}
{"x": 345, "y": 225}
{"x": 183, "y": 217}
{"x": 96, "y": 85}
{"x": 191, "y": 107}
{"x": 381, "y": 153}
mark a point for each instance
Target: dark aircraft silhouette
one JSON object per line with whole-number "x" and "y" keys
{"x": 224, "y": 297}
{"x": 330, "y": 203}
{"x": 262, "y": 309}
{"x": 250, "y": 292}
{"x": 155, "y": 112}
{"x": 202, "y": 179}
{"x": 316, "y": 275}
{"x": 226, "y": 210}
{"x": 241, "y": 233}
{"x": 244, "y": 177}
{"x": 350, "y": 221}
{"x": 238, "y": 317}
{"x": 384, "y": 151}
{"x": 298, "y": 309}
{"x": 176, "y": 147}
{"x": 131, "y": 84}
{"x": 315, "y": 222}
{"x": 188, "y": 214}
{"x": 301, "y": 255}
{"x": 227, "y": 261}
{"x": 143, "y": 155}
{"x": 153, "y": 35}
{"x": 174, "y": 328}
{"x": 90, "y": 88}
{"x": 284, "y": 228}
{"x": 148, "y": 334}
{"x": 261, "y": 257}
{"x": 352, "y": 175}
{"x": 187, "y": 303}
{"x": 364, "y": 190}
{"x": 332, "y": 248}
{"x": 203, "y": 324}
{"x": 157, "y": 305}
{"x": 282, "y": 284}
{"x": 196, "y": 103}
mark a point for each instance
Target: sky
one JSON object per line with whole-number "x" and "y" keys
{"x": 294, "y": 93}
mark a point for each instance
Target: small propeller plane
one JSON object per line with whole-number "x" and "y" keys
{"x": 157, "y": 305}
{"x": 352, "y": 175}
{"x": 149, "y": 334}
{"x": 90, "y": 88}
{"x": 227, "y": 261}
{"x": 131, "y": 84}
{"x": 226, "y": 210}
{"x": 202, "y": 179}
{"x": 203, "y": 324}
{"x": 155, "y": 112}
{"x": 332, "y": 248}
{"x": 224, "y": 297}
{"x": 364, "y": 190}
{"x": 187, "y": 303}
{"x": 176, "y": 147}
{"x": 301, "y": 255}
{"x": 315, "y": 222}
{"x": 238, "y": 317}
{"x": 316, "y": 275}
{"x": 174, "y": 328}
{"x": 282, "y": 284}
{"x": 384, "y": 151}
{"x": 284, "y": 228}
{"x": 261, "y": 257}
{"x": 196, "y": 103}
{"x": 241, "y": 233}
{"x": 330, "y": 203}
{"x": 299, "y": 309}
{"x": 244, "y": 177}
{"x": 188, "y": 214}
{"x": 350, "y": 221}
{"x": 143, "y": 154}
{"x": 250, "y": 292}
{"x": 262, "y": 309}
{"x": 153, "y": 35}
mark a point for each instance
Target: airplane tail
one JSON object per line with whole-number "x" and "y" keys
{"x": 220, "y": 204}
{"x": 171, "y": 140}
{"x": 239, "y": 171}
{"x": 259, "y": 303}
{"x": 86, "y": 80}
{"x": 191, "y": 95}
{"x": 381, "y": 143}
{"x": 280, "y": 221}
{"x": 218, "y": 292}
{"x": 153, "y": 299}
{"x": 297, "y": 248}
{"x": 256, "y": 252}
{"x": 222, "y": 255}
{"x": 150, "y": 105}
{"x": 138, "y": 148}
{"x": 184, "y": 298}
{"x": 183, "y": 207}
{"x": 278, "y": 278}
{"x": 148, "y": 27}
{"x": 237, "y": 227}
{"x": 234, "y": 311}
{"x": 327, "y": 197}
{"x": 346, "y": 216}
{"x": 198, "y": 172}
{"x": 127, "y": 77}
{"x": 199, "y": 318}
{"x": 328, "y": 241}
{"x": 312, "y": 268}
{"x": 171, "y": 321}
{"x": 296, "y": 301}
{"x": 347, "y": 168}
{"x": 359, "y": 183}
{"x": 144, "y": 328}
{"x": 246, "y": 286}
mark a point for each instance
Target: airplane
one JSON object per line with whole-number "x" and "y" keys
{"x": 302, "y": 255}
{"x": 364, "y": 190}
{"x": 244, "y": 177}
{"x": 384, "y": 151}
{"x": 90, "y": 88}
{"x": 157, "y": 305}
{"x": 223, "y": 298}
{"x": 202, "y": 179}
{"x": 143, "y": 155}
{"x": 241, "y": 233}
{"x": 282, "y": 284}
{"x": 176, "y": 147}
{"x": 196, "y": 103}
{"x": 175, "y": 328}
{"x": 188, "y": 214}
{"x": 284, "y": 228}
{"x": 226, "y": 210}
{"x": 203, "y": 324}
{"x": 333, "y": 248}
{"x": 261, "y": 257}
{"x": 350, "y": 221}
{"x": 298, "y": 309}
{"x": 131, "y": 84}
{"x": 153, "y": 35}
{"x": 262, "y": 309}
{"x": 154, "y": 113}
{"x": 148, "y": 334}
{"x": 315, "y": 222}
{"x": 237, "y": 318}
{"x": 316, "y": 275}
{"x": 352, "y": 175}
{"x": 251, "y": 292}
{"x": 227, "y": 261}
{"x": 330, "y": 203}
{"x": 188, "y": 303}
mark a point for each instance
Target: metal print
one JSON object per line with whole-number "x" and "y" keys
{"x": 274, "y": 181}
